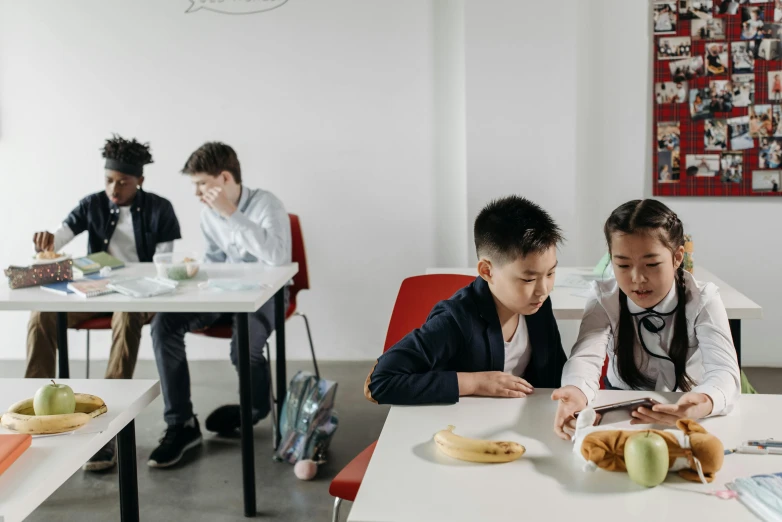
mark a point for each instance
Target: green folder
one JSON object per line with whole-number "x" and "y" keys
{"x": 94, "y": 262}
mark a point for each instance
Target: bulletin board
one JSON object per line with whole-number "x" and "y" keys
{"x": 717, "y": 95}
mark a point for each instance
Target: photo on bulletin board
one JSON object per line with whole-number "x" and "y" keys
{"x": 703, "y": 165}
{"x": 765, "y": 181}
{"x": 665, "y": 17}
{"x": 717, "y": 98}
{"x": 688, "y": 69}
{"x": 696, "y": 9}
{"x": 708, "y": 29}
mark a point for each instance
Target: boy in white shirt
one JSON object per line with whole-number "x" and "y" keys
{"x": 240, "y": 225}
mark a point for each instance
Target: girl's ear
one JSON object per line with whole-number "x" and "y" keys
{"x": 678, "y": 257}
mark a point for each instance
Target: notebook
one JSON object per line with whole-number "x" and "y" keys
{"x": 94, "y": 262}
{"x": 90, "y": 288}
{"x": 61, "y": 288}
{"x": 11, "y": 447}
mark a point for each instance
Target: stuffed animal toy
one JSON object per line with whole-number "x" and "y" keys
{"x": 693, "y": 452}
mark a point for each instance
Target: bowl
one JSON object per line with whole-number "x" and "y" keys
{"x": 177, "y": 266}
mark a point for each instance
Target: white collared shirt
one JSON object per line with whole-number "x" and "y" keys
{"x": 711, "y": 360}
{"x": 259, "y": 231}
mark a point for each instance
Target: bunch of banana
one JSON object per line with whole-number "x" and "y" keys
{"x": 476, "y": 450}
{"x": 21, "y": 417}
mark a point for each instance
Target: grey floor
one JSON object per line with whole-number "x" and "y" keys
{"x": 208, "y": 486}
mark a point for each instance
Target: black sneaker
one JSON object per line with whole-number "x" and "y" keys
{"x": 175, "y": 442}
{"x": 226, "y": 420}
{"x": 106, "y": 458}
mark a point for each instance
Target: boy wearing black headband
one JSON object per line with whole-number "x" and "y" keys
{"x": 131, "y": 225}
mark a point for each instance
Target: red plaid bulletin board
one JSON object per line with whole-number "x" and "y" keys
{"x": 717, "y": 128}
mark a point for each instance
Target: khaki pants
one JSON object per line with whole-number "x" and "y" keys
{"x": 42, "y": 342}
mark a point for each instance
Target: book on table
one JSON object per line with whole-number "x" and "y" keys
{"x": 94, "y": 262}
{"x": 90, "y": 287}
{"x": 11, "y": 447}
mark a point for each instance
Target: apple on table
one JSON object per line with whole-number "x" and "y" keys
{"x": 54, "y": 399}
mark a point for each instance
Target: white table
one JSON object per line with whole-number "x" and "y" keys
{"x": 51, "y": 460}
{"x": 187, "y": 298}
{"x": 409, "y": 480}
{"x": 568, "y": 303}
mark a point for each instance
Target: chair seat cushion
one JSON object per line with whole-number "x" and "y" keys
{"x": 96, "y": 323}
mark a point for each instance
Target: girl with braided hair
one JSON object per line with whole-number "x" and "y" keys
{"x": 661, "y": 329}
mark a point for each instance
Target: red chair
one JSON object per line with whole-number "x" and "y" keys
{"x": 603, "y": 374}
{"x": 417, "y": 296}
{"x": 96, "y": 323}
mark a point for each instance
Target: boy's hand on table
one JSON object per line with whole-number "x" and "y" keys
{"x": 216, "y": 199}
{"x": 493, "y": 384}
{"x": 690, "y": 406}
{"x": 43, "y": 241}
{"x": 571, "y": 400}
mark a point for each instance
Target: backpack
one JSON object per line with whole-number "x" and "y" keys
{"x": 308, "y": 420}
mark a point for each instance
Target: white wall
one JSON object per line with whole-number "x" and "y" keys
{"x": 328, "y": 104}
{"x": 520, "y": 107}
{"x": 450, "y": 194}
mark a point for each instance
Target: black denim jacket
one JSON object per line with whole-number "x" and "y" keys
{"x": 154, "y": 221}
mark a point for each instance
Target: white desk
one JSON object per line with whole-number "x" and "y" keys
{"x": 409, "y": 480}
{"x": 568, "y": 305}
{"x": 50, "y": 461}
{"x": 187, "y": 298}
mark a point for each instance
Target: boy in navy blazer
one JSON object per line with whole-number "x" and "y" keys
{"x": 496, "y": 337}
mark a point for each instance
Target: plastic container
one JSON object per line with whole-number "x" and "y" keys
{"x": 177, "y": 266}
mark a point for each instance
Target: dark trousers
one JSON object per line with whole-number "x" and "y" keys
{"x": 168, "y": 341}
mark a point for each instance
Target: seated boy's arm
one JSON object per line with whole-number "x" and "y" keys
{"x": 76, "y": 223}
{"x": 213, "y": 253}
{"x": 267, "y": 236}
{"x": 164, "y": 248}
{"x": 78, "y": 220}
{"x": 415, "y": 370}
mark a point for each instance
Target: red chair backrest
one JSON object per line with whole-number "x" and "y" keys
{"x": 301, "y": 281}
{"x": 417, "y": 296}
{"x": 603, "y": 374}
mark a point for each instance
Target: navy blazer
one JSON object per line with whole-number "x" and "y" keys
{"x": 462, "y": 334}
{"x": 154, "y": 222}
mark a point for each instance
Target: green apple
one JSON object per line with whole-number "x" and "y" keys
{"x": 646, "y": 459}
{"x": 54, "y": 399}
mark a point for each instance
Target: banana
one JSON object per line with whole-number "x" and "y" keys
{"x": 476, "y": 450}
{"x": 21, "y": 416}
{"x": 43, "y": 424}
{"x": 21, "y": 406}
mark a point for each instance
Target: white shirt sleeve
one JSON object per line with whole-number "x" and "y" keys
{"x": 585, "y": 364}
{"x": 164, "y": 248}
{"x": 62, "y": 236}
{"x": 721, "y": 375}
{"x": 213, "y": 254}
{"x": 269, "y": 238}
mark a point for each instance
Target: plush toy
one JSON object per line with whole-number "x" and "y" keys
{"x": 694, "y": 453}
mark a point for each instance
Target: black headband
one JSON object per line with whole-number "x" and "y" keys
{"x": 126, "y": 168}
